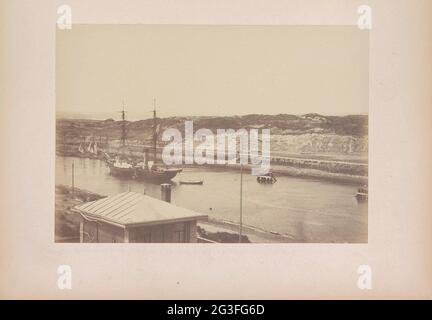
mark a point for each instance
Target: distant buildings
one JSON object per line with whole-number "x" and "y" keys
{"x": 135, "y": 217}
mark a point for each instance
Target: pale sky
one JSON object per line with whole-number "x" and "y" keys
{"x": 211, "y": 70}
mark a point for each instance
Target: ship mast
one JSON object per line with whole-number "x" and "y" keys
{"x": 123, "y": 136}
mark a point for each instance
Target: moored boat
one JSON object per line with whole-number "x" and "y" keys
{"x": 193, "y": 182}
{"x": 80, "y": 148}
{"x": 362, "y": 194}
{"x": 156, "y": 173}
{"x": 267, "y": 178}
{"x": 123, "y": 166}
{"x": 153, "y": 171}
{"x": 120, "y": 166}
{"x": 91, "y": 151}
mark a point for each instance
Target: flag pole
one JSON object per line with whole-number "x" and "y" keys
{"x": 241, "y": 203}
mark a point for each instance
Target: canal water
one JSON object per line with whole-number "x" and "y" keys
{"x": 304, "y": 209}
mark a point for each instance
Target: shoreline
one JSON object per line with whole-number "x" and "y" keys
{"x": 254, "y": 234}
{"x": 67, "y": 222}
{"x": 291, "y": 171}
{"x": 312, "y": 174}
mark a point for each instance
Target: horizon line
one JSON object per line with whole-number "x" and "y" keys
{"x": 99, "y": 115}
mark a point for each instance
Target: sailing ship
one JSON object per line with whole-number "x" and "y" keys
{"x": 155, "y": 171}
{"x": 91, "y": 151}
{"x": 151, "y": 171}
{"x": 80, "y": 148}
{"x": 121, "y": 166}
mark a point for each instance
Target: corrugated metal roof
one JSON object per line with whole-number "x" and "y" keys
{"x": 134, "y": 208}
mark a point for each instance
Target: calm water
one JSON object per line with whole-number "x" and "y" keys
{"x": 308, "y": 210}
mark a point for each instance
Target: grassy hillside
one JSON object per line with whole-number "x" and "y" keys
{"x": 282, "y": 124}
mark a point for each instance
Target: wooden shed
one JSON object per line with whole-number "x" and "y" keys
{"x": 135, "y": 217}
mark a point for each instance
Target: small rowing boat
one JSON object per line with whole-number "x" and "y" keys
{"x": 266, "y": 179}
{"x": 196, "y": 182}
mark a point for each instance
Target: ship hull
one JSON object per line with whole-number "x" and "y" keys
{"x": 121, "y": 172}
{"x": 362, "y": 194}
{"x": 156, "y": 176}
{"x": 361, "y": 197}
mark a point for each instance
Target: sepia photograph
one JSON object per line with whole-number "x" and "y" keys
{"x": 211, "y": 134}
{"x": 215, "y": 157}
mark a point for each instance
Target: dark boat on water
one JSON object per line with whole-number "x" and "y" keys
{"x": 123, "y": 166}
{"x": 155, "y": 171}
{"x": 362, "y": 194}
{"x": 268, "y": 178}
{"x": 193, "y": 182}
